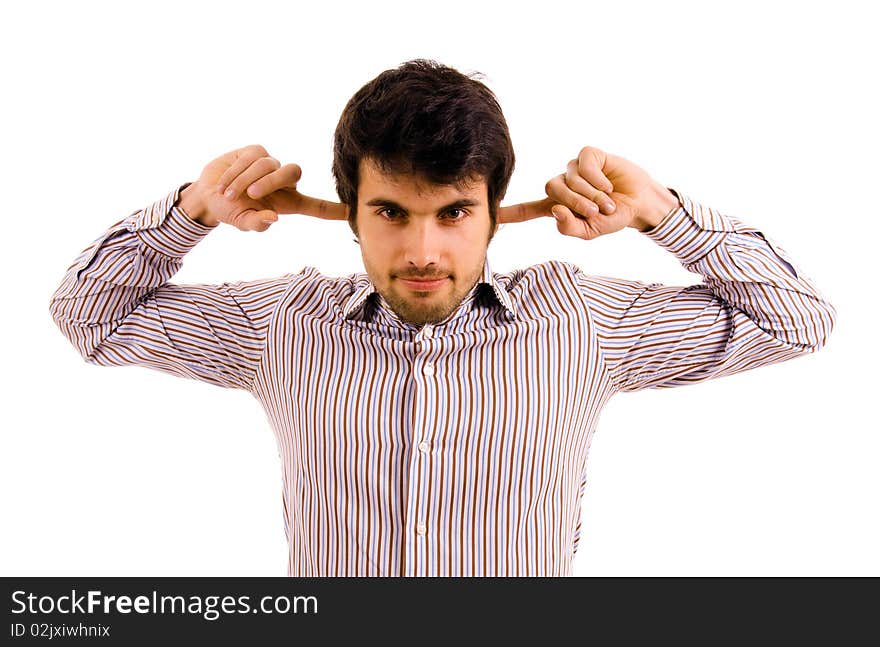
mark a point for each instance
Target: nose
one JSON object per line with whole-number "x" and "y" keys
{"x": 423, "y": 246}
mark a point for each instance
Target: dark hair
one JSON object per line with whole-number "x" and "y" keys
{"x": 426, "y": 119}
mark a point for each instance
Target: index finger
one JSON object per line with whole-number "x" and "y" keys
{"x": 526, "y": 211}
{"x": 325, "y": 209}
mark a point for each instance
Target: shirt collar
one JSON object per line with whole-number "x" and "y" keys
{"x": 364, "y": 290}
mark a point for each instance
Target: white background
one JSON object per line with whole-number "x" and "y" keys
{"x": 764, "y": 111}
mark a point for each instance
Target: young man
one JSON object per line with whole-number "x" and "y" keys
{"x": 434, "y": 417}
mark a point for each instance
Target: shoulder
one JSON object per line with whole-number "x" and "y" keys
{"x": 319, "y": 293}
{"x": 550, "y": 286}
{"x": 540, "y": 274}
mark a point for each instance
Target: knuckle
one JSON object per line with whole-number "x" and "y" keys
{"x": 291, "y": 173}
{"x": 266, "y": 163}
{"x": 245, "y": 223}
{"x": 585, "y": 166}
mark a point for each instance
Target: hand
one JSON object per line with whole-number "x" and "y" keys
{"x": 574, "y": 197}
{"x": 261, "y": 189}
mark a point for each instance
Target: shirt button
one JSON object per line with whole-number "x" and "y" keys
{"x": 421, "y": 529}
{"x": 429, "y": 368}
{"x": 423, "y": 447}
{"x": 427, "y": 331}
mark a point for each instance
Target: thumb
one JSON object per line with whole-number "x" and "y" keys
{"x": 254, "y": 220}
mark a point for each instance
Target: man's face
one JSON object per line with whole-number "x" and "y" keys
{"x": 409, "y": 229}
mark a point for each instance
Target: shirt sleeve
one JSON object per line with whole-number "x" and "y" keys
{"x": 754, "y": 307}
{"x": 117, "y": 308}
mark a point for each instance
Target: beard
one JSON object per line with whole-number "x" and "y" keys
{"x": 431, "y": 307}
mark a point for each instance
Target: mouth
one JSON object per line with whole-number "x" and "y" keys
{"x": 424, "y": 286}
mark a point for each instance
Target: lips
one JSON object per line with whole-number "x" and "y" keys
{"x": 419, "y": 284}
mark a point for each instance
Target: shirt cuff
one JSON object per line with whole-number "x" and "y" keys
{"x": 165, "y": 228}
{"x": 692, "y": 230}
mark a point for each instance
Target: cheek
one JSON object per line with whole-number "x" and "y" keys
{"x": 476, "y": 245}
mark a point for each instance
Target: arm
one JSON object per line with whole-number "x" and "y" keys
{"x": 754, "y": 308}
{"x": 117, "y": 308}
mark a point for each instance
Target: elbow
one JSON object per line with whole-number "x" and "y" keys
{"x": 56, "y": 311}
{"x": 825, "y": 318}
{"x": 78, "y": 336}
{"x": 57, "y": 317}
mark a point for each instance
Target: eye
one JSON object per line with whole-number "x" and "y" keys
{"x": 384, "y": 209}
{"x": 463, "y": 213}
{"x": 390, "y": 211}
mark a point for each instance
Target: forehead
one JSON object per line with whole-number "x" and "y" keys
{"x": 373, "y": 181}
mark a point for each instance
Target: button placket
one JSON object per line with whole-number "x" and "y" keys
{"x": 423, "y": 420}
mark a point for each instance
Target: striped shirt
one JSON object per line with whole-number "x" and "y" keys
{"x": 457, "y": 448}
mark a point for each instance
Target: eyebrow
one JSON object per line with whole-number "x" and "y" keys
{"x": 386, "y": 202}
